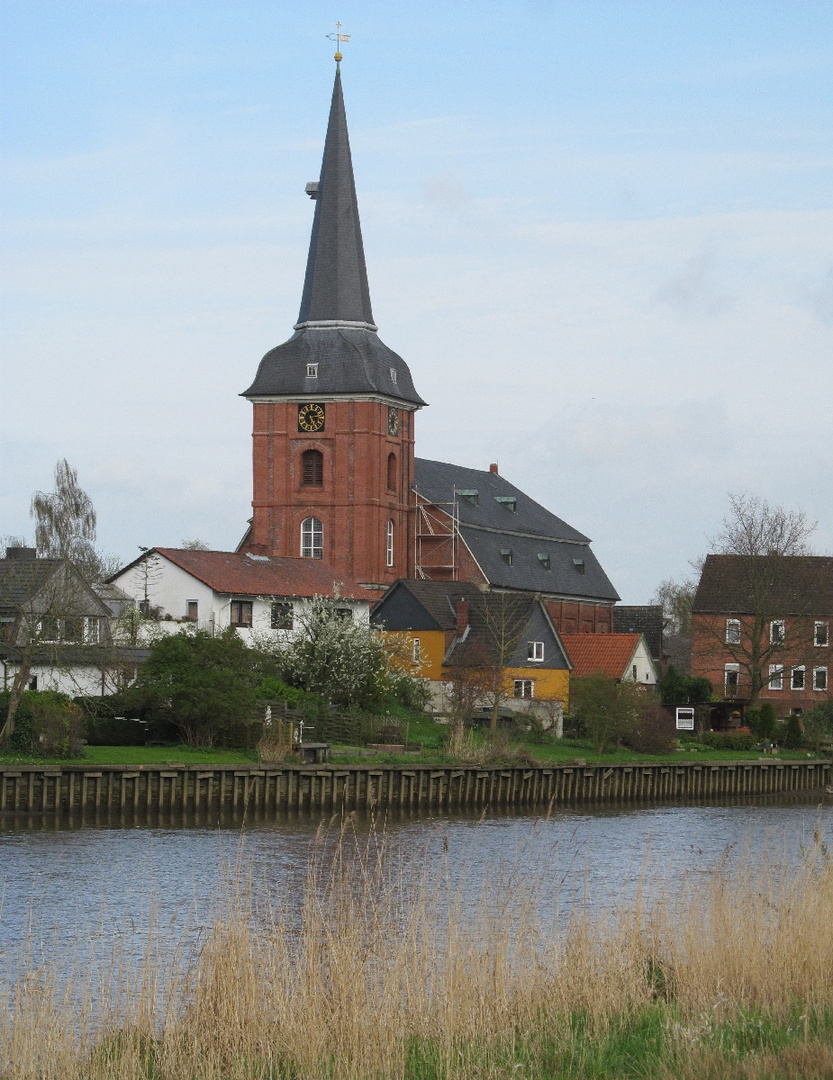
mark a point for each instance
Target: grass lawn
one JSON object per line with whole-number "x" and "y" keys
{"x": 141, "y": 755}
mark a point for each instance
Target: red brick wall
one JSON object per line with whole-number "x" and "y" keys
{"x": 353, "y": 504}
{"x": 709, "y": 655}
{"x": 580, "y": 617}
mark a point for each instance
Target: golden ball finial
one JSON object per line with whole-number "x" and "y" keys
{"x": 337, "y": 57}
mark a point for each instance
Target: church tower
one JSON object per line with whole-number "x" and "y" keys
{"x": 334, "y": 407}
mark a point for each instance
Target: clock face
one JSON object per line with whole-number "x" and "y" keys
{"x": 393, "y": 421}
{"x": 311, "y": 417}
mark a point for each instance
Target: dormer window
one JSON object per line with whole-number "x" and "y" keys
{"x": 544, "y": 559}
{"x": 469, "y": 494}
{"x": 579, "y": 565}
{"x": 509, "y": 501}
{"x": 506, "y": 555}
{"x": 312, "y": 371}
{"x": 393, "y": 375}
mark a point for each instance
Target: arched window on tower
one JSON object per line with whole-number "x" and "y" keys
{"x": 389, "y": 545}
{"x": 312, "y": 468}
{"x": 391, "y": 472}
{"x": 312, "y": 538}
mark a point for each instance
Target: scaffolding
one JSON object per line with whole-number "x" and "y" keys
{"x": 436, "y": 538}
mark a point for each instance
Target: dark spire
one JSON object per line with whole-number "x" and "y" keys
{"x": 335, "y": 288}
{"x": 335, "y": 348}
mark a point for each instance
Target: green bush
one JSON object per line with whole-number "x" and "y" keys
{"x": 729, "y": 740}
{"x": 768, "y": 725}
{"x": 57, "y": 725}
{"x": 793, "y": 735}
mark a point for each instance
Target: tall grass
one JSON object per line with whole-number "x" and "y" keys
{"x": 383, "y": 972}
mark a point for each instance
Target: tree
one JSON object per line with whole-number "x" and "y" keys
{"x": 755, "y": 529}
{"x": 757, "y": 574}
{"x": 677, "y": 689}
{"x": 675, "y": 598}
{"x": 204, "y": 684}
{"x": 331, "y": 655}
{"x": 606, "y": 710}
{"x": 65, "y": 524}
{"x": 501, "y": 620}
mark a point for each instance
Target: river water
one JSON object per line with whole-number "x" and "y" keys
{"x": 68, "y": 880}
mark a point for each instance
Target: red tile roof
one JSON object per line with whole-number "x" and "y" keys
{"x": 238, "y": 574}
{"x": 609, "y": 653}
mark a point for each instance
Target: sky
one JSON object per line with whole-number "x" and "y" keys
{"x": 600, "y": 234}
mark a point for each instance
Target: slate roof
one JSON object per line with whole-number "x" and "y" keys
{"x": 608, "y": 653}
{"x": 237, "y": 574}
{"x": 526, "y": 620}
{"x": 488, "y": 525}
{"x": 645, "y": 619}
{"x": 21, "y": 580}
{"x": 429, "y": 605}
{"x": 335, "y": 327}
{"x": 794, "y": 584}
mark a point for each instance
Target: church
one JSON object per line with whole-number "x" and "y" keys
{"x": 335, "y": 475}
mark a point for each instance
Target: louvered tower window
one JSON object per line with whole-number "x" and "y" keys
{"x": 312, "y": 463}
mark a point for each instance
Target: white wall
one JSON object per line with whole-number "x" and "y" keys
{"x": 646, "y": 673}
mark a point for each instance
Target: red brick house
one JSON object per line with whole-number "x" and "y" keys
{"x": 760, "y": 629}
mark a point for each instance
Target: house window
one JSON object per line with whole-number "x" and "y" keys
{"x": 579, "y": 565}
{"x": 312, "y": 538}
{"x": 733, "y": 631}
{"x": 393, "y": 375}
{"x": 524, "y": 688}
{"x": 391, "y": 472}
{"x": 74, "y": 628}
{"x": 92, "y": 630}
{"x": 797, "y": 678}
{"x": 820, "y": 678}
{"x": 389, "y": 544}
{"x": 776, "y": 631}
{"x": 506, "y": 555}
{"x": 731, "y": 677}
{"x": 49, "y": 629}
{"x": 33, "y": 683}
{"x": 191, "y": 609}
{"x": 544, "y": 559}
{"x": 344, "y": 613}
{"x": 282, "y": 615}
{"x": 416, "y": 650}
{"x": 471, "y": 495}
{"x": 509, "y": 501}
{"x": 535, "y": 651}
{"x": 821, "y": 634}
{"x": 241, "y": 613}
{"x": 776, "y": 676}
{"x": 312, "y": 371}
{"x": 634, "y": 672}
{"x": 312, "y": 468}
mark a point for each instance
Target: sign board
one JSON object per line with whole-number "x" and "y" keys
{"x": 685, "y": 718}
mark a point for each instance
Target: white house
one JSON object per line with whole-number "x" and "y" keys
{"x": 624, "y": 657}
{"x": 260, "y": 595}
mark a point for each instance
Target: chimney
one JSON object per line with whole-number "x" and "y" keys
{"x": 21, "y": 553}
{"x": 461, "y": 608}
{"x": 493, "y": 467}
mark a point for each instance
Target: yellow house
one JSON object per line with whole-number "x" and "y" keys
{"x": 448, "y": 630}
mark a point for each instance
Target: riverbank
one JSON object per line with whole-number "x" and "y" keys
{"x": 451, "y": 972}
{"x": 282, "y": 787}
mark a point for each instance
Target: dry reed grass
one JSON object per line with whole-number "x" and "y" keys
{"x": 383, "y": 973}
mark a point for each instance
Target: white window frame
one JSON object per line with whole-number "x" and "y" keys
{"x": 777, "y": 636}
{"x": 312, "y": 538}
{"x": 824, "y": 627}
{"x": 92, "y": 630}
{"x": 820, "y": 672}
{"x": 417, "y": 649}
{"x": 801, "y": 671}
{"x": 389, "y": 544}
{"x": 242, "y": 606}
{"x": 733, "y": 631}
{"x": 776, "y": 677}
{"x": 312, "y": 371}
{"x": 535, "y": 652}
{"x": 521, "y": 686}
{"x": 731, "y": 669}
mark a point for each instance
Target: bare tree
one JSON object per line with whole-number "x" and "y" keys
{"x": 675, "y": 598}
{"x": 65, "y": 524}
{"x": 754, "y": 528}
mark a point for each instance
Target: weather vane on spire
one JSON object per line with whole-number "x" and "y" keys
{"x": 338, "y": 37}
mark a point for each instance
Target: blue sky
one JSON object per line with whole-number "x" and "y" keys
{"x": 601, "y": 234}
